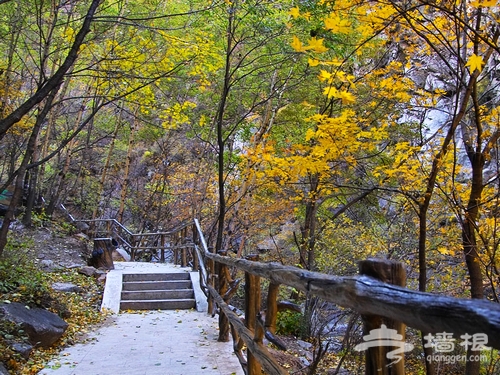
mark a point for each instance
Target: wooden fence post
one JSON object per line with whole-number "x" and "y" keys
{"x": 376, "y": 356}
{"x": 210, "y": 280}
{"x": 272, "y": 307}
{"x": 176, "y": 249}
{"x": 102, "y": 253}
{"x": 252, "y": 308}
{"x": 162, "y": 250}
{"x": 196, "y": 242}
{"x": 222, "y": 288}
{"x": 133, "y": 250}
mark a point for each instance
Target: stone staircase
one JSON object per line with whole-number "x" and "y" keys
{"x": 157, "y": 291}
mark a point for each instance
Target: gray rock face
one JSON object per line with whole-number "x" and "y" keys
{"x": 43, "y": 327}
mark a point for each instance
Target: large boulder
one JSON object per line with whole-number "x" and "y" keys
{"x": 43, "y": 327}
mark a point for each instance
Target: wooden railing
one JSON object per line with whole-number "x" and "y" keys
{"x": 176, "y": 244}
{"x": 430, "y": 313}
{"x": 394, "y": 305}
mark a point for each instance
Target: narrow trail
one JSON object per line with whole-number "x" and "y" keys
{"x": 167, "y": 342}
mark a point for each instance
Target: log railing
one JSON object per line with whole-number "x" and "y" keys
{"x": 375, "y": 300}
{"x": 430, "y": 313}
{"x": 178, "y": 242}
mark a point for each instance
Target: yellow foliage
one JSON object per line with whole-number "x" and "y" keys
{"x": 336, "y": 24}
{"x": 475, "y": 62}
{"x": 176, "y": 115}
{"x": 295, "y": 12}
{"x": 316, "y": 45}
{"x": 297, "y": 45}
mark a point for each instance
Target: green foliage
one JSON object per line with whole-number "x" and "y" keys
{"x": 20, "y": 280}
{"x": 289, "y": 323}
{"x": 39, "y": 219}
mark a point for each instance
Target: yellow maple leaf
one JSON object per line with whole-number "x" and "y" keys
{"x": 324, "y": 75}
{"x": 297, "y": 45}
{"x": 294, "y": 12}
{"x": 331, "y": 92}
{"x": 475, "y": 62}
{"x": 313, "y": 62}
{"x": 317, "y": 45}
{"x": 346, "y": 97}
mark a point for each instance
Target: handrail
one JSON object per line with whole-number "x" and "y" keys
{"x": 427, "y": 312}
{"x": 201, "y": 262}
{"x": 370, "y": 296}
{"x": 133, "y": 242}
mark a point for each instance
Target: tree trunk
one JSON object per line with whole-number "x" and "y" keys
{"x": 308, "y": 231}
{"x": 219, "y": 123}
{"x": 104, "y": 174}
{"x": 19, "y": 186}
{"x": 469, "y": 239}
{"x": 102, "y": 254}
{"x": 126, "y": 173}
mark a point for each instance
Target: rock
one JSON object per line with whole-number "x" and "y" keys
{"x": 81, "y": 226}
{"x": 75, "y": 265}
{"x": 100, "y": 276}
{"x": 22, "y": 348}
{"x": 3, "y": 369}
{"x": 48, "y": 264}
{"x": 81, "y": 236}
{"x": 87, "y": 270}
{"x": 101, "y": 279}
{"x": 304, "y": 344}
{"x": 43, "y": 327}
{"x": 66, "y": 288}
{"x": 304, "y": 361}
{"x": 120, "y": 255}
{"x": 341, "y": 371}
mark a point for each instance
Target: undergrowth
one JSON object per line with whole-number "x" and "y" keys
{"x": 21, "y": 281}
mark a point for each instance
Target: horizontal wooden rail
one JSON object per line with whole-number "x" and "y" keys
{"x": 134, "y": 242}
{"x": 427, "y": 312}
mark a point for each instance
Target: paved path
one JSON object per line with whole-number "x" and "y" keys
{"x": 169, "y": 342}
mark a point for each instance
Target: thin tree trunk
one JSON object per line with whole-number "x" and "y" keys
{"x": 308, "y": 231}
{"x": 219, "y": 123}
{"x": 104, "y": 175}
{"x": 126, "y": 173}
{"x": 19, "y": 185}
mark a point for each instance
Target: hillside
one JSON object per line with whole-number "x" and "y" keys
{"x": 35, "y": 259}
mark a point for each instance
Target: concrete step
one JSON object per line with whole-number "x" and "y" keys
{"x": 157, "y": 291}
{"x": 156, "y": 276}
{"x": 158, "y": 294}
{"x": 157, "y": 285}
{"x": 164, "y": 304}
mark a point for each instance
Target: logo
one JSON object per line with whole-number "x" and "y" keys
{"x": 384, "y": 336}
{"x": 441, "y": 343}
{"x": 445, "y": 343}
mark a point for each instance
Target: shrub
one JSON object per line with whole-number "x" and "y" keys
{"x": 289, "y": 323}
